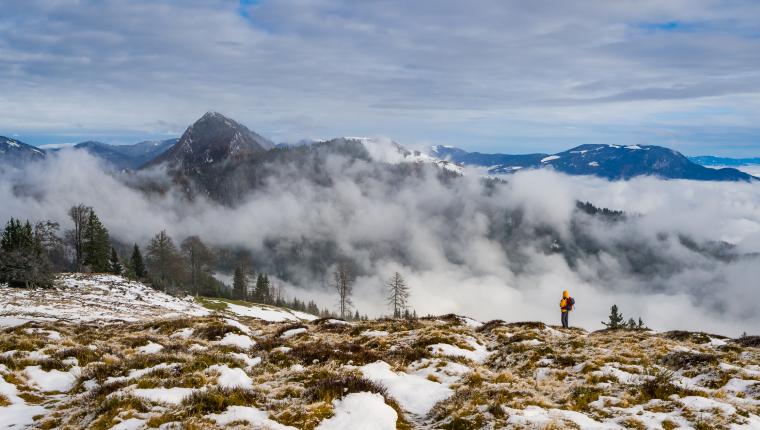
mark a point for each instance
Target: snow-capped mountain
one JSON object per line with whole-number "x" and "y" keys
{"x": 385, "y": 150}
{"x": 612, "y": 162}
{"x": 15, "y": 152}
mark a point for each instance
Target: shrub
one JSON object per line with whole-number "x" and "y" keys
{"x": 334, "y": 386}
{"x": 280, "y": 331}
{"x": 490, "y": 325}
{"x": 219, "y": 399}
{"x": 83, "y": 354}
{"x": 528, "y": 324}
{"x": 684, "y": 359}
{"x": 752, "y": 341}
{"x": 681, "y": 335}
{"x": 342, "y": 352}
{"x": 215, "y": 330}
{"x": 660, "y": 385}
{"x": 582, "y": 396}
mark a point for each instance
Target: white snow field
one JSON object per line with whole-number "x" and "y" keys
{"x": 79, "y": 297}
{"x": 264, "y": 312}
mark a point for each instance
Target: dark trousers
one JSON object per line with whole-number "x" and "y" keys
{"x": 565, "y": 323}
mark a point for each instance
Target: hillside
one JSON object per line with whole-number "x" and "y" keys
{"x": 122, "y": 157}
{"x": 14, "y": 152}
{"x": 236, "y": 365}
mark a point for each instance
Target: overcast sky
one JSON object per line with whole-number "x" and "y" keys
{"x": 493, "y": 76}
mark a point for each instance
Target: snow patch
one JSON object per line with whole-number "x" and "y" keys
{"x": 245, "y": 358}
{"x": 137, "y": 373}
{"x": 374, "y": 333}
{"x": 238, "y": 340}
{"x": 366, "y": 411}
{"x": 254, "y": 417}
{"x": 185, "y": 333}
{"x": 172, "y": 396}
{"x": 54, "y": 380}
{"x": 478, "y": 354}
{"x": 292, "y": 332}
{"x": 18, "y": 414}
{"x": 129, "y": 424}
{"x": 550, "y": 158}
{"x": 150, "y": 348}
{"x": 414, "y": 393}
{"x": 231, "y": 377}
{"x": 237, "y": 324}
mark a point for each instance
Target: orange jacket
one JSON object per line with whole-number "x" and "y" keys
{"x": 563, "y": 305}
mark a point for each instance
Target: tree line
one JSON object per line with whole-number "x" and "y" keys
{"x": 31, "y": 253}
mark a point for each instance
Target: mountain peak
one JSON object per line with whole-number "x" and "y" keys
{"x": 14, "y": 151}
{"x": 213, "y": 139}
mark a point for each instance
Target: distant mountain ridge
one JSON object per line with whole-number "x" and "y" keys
{"x": 123, "y": 157}
{"x": 215, "y": 140}
{"x": 486, "y": 160}
{"x": 613, "y": 162}
{"x": 709, "y": 160}
{"x": 15, "y": 152}
{"x": 119, "y": 157}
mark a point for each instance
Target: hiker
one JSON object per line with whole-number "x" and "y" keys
{"x": 566, "y": 305}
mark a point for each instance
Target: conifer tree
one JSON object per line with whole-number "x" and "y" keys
{"x": 116, "y": 267}
{"x": 239, "y": 284}
{"x": 136, "y": 264}
{"x": 398, "y": 294}
{"x": 616, "y": 319}
{"x": 96, "y": 245}
{"x": 261, "y": 292}
{"x": 641, "y": 324}
{"x": 198, "y": 258}
{"x": 22, "y": 260}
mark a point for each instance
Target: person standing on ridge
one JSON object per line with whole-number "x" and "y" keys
{"x": 566, "y": 305}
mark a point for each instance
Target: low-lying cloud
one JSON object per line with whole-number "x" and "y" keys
{"x": 447, "y": 237}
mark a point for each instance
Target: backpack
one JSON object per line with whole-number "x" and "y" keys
{"x": 570, "y": 303}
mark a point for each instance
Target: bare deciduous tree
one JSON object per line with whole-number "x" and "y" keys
{"x": 163, "y": 259}
{"x": 79, "y": 214}
{"x": 344, "y": 288}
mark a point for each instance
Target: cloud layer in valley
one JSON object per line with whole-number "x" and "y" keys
{"x": 533, "y": 77}
{"x": 442, "y": 236}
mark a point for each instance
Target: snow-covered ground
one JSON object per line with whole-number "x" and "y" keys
{"x": 263, "y": 312}
{"x": 84, "y": 298}
{"x": 256, "y": 366}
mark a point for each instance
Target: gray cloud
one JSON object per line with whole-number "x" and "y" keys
{"x": 479, "y": 75}
{"x": 440, "y": 236}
